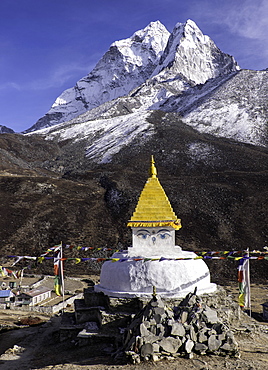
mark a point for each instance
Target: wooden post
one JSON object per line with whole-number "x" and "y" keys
{"x": 62, "y": 278}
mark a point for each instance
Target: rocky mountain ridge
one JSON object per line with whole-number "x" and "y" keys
{"x": 5, "y": 130}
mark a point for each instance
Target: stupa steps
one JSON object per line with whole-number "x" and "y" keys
{"x": 153, "y": 200}
{"x": 154, "y": 195}
{"x": 151, "y": 204}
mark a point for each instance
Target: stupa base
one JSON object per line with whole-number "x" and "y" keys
{"x": 128, "y": 278}
{"x": 163, "y": 294}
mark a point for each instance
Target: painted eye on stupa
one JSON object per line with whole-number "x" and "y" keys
{"x": 143, "y": 234}
{"x": 163, "y": 234}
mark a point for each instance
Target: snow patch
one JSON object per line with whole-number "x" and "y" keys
{"x": 229, "y": 121}
{"x": 105, "y": 137}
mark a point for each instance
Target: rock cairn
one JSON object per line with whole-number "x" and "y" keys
{"x": 158, "y": 332}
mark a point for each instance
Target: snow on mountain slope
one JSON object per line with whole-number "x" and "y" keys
{"x": 126, "y": 65}
{"x": 103, "y": 137}
{"x": 235, "y": 109}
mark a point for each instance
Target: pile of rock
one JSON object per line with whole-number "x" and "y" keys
{"x": 158, "y": 331}
{"x": 30, "y": 321}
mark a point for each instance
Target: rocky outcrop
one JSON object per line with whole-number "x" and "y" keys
{"x": 5, "y": 130}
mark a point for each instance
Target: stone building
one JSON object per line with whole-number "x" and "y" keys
{"x": 33, "y": 297}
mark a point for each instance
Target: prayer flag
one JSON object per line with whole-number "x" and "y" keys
{"x": 58, "y": 285}
{"x": 58, "y": 271}
{"x": 244, "y": 283}
{"x": 3, "y": 271}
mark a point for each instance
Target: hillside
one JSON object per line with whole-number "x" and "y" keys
{"x": 218, "y": 187}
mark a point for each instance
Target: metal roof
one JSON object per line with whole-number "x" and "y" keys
{"x": 37, "y": 291}
{"x": 5, "y": 293}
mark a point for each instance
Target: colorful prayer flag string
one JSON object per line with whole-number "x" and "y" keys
{"x": 199, "y": 253}
{"x": 160, "y": 259}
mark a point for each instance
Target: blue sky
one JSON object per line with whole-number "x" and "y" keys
{"x": 48, "y": 45}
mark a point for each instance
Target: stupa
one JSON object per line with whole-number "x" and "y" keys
{"x": 154, "y": 262}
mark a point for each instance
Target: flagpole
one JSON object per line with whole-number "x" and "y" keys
{"x": 21, "y": 276}
{"x": 244, "y": 282}
{"x": 62, "y": 279}
{"x": 248, "y": 284}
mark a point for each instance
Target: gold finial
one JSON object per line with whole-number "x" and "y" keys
{"x": 153, "y": 171}
{"x": 154, "y": 291}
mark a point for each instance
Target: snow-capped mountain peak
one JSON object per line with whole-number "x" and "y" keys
{"x": 125, "y": 66}
{"x": 193, "y": 55}
{"x": 154, "y": 36}
{"x": 192, "y": 32}
{"x": 183, "y": 73}
{"x": 185, "y": 56}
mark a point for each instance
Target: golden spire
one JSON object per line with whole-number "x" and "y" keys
{"x": 153, "y": 208}
{"x": 153, "y": 171}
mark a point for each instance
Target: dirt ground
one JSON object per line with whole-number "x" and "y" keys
{"x": 39, "y": 347}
